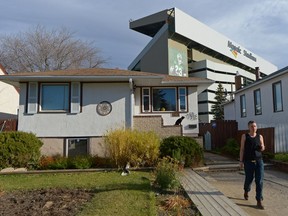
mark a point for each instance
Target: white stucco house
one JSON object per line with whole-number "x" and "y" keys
{"x": 266, "y": 102}
{"x": 9, "y": 99}
{"x": 72, "y": 110}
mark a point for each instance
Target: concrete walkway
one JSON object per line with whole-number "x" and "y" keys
{"x": 230, "y": 183}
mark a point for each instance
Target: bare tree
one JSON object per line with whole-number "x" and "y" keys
{"x": 40, "y": 49}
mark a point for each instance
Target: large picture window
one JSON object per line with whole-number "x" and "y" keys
{"x": 243, "y": 106}
{"x": 277, "y": 97}
{"x": 164, "y": 99}
{"x": 257, "y": 102}
{"x": 54, "y": 97}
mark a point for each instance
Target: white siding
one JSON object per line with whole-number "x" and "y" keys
{"x": 86, "y": 123}
{"x": 269, "y": 118}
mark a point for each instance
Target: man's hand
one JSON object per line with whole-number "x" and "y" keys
{"x": 241, "y": 164}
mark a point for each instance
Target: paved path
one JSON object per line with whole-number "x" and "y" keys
{"x": 231, "y": 185}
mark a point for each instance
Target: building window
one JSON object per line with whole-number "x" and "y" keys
{"x": 164, "y": 99}
{"x": 76, "y": 147}
{"x": 257, "y": 102}
{"x": 182, "y": 99}
{"x": 277, "y": 97}
{"x": 243, "y": 105}
{"x": 54, "y": 97}
{"x": 146, "y": 99}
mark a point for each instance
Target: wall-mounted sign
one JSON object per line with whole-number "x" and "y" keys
{"x": 235, "y": 50}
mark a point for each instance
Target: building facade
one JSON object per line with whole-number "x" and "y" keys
{"x": 183, "y": 46}
{"x": 266, "y": 102}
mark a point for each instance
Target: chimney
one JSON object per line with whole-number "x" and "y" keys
{"x": 237, "y": 82}
{"x": 257, "y": 73}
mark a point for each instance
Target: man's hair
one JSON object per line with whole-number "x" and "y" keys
{"x": 251, "y": 122}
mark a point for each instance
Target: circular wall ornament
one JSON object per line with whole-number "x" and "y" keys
{"x": 104, "y": 108}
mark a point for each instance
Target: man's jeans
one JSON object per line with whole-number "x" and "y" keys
{"x": 256, "y": 168}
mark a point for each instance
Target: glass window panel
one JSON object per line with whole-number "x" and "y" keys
{"x": 182, "y": 99}
{"x": 243, "y": 105}
{"x": 146, "y": 99}
{"x": 257, "y": 102}
{"x": 164, "y": 99}
{"x": 55, "y": 97}
{"x": 277, "y": 97}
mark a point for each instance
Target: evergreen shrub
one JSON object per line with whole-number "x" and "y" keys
{"x": 19, "y": 149}
{"x": 231, "y": 148}
{"x": 184, "y": 149}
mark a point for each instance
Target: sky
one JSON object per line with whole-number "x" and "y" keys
{"x": 261, "y": 26}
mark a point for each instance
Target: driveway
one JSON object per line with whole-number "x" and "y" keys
{"x": 275, "y": 190}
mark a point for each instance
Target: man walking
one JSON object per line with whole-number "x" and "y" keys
{"x": 252, "y": 144}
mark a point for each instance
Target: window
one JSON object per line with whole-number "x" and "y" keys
{"x": 164, "y": 99}
{"x": 182, "y": 99}
{"x": 146, "y": 99}
{"x": 257, "y": 102}
{"x": 277, "y": 97}
{"x": 243, "y": 105}
{"x": 76, "y": 147}
{"x": 54, "y": 97}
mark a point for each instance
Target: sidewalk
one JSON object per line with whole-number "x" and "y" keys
{"x": 230, "y": 183}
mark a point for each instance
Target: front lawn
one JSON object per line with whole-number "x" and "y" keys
{"x": 113, "y": 194}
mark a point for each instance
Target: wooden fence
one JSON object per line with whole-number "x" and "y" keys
{"x": 8, "y": 125}
{"x": 222, "y": 130}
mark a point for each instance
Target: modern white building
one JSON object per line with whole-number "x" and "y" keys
{"x": 183, "y": 46}
{"x": 266, "y": 102}
{"x": 72, "y": 110}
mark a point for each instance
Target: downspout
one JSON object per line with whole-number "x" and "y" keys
{"x": 131, "y": 85}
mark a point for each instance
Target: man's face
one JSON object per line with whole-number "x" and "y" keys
{"x": 253, "y": 127}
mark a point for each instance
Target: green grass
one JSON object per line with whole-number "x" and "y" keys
{"x": 114, "y": 194}
{"x": 281, "y": 157}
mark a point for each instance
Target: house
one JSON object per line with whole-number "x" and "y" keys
{"x": 181, "y": 45}
{"x": 266, "y": 102}
{"x": 71, "y": 110}
{"x": 9, "y": 99}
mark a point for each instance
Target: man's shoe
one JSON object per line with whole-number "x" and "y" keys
{"x": 259, "y": 205}
{"x": 246, "y": 195}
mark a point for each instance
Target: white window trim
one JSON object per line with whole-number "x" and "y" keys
{"x": 179, "y": 95}
{"x": 149, "y": 96}
{"x": 32, "y": 105}
{"x": 75, "y": 99}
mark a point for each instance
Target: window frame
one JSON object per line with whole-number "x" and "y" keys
{"x": 76, "y": 138}
{"x": 179, "y": 99}
{"x": 149, "y": 99}
{"x": 243, "y": 113}
{"x": 255, "y": 102}
{"x": 274, "y": 85}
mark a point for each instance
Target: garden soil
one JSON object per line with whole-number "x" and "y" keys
{"x": 50, "y": 202}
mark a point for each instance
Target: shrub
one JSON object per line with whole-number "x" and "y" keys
{"x": 102, "y": 162}
{"x": 137, "y": 148}
{"x": 183, "y": 149}
{"x": 166, "y": 174}
{"x": 79, "y": 162}
{"x": 231, "y": 148}
{"x": 19, "y": 149}
{"x": 281, "y": 157}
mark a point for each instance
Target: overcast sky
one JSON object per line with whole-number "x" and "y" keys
{"x": 258, "y": 25}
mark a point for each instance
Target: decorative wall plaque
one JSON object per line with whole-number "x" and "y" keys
{"x": 104, "y": 108}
